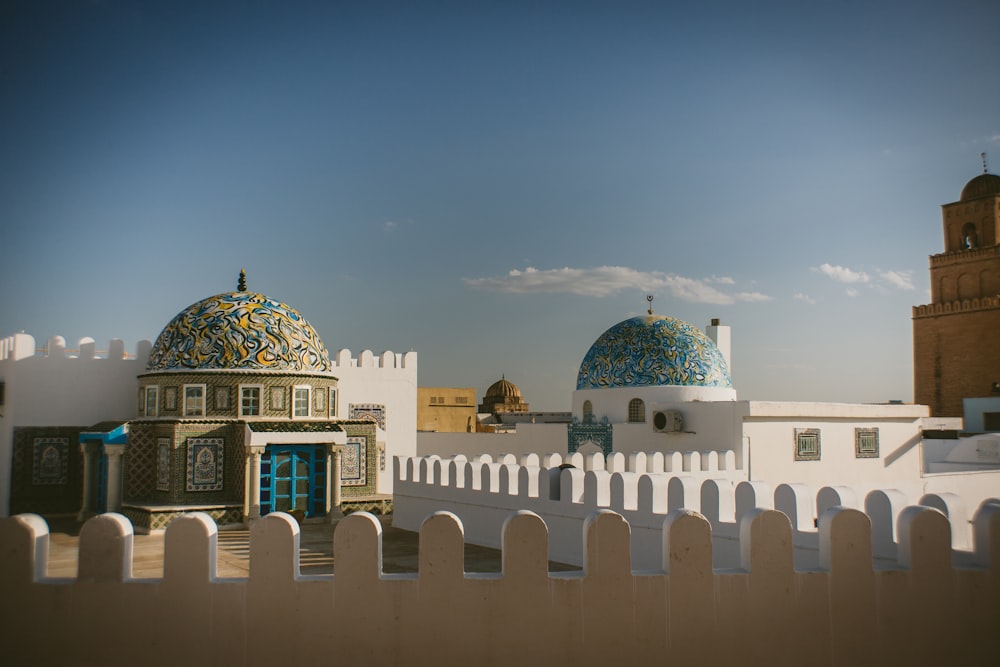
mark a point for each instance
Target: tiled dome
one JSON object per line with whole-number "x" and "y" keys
{"x": 652, "y": 351}
{"x": 239, "y": 331}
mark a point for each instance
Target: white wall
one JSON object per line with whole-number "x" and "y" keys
{"x": 613, "y": 403}
{"x": 527, "y": 439}
{"x": 714, "y": 425}
{"x": 770, "y": 427}
{"x": 60, "y": 390}
{"x": 388, "y": 379}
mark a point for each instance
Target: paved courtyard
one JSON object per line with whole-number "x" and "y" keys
{"x": 399, "y": 551}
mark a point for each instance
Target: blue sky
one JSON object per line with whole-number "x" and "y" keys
{"x": 495, "y": 184}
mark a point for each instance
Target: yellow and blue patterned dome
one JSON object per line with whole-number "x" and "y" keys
{"x": 653, "y": 351}
{"x": 239, "y": 331}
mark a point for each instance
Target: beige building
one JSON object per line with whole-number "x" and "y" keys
{"x": 446, "y": 409}
{"x": 953, "y": 352}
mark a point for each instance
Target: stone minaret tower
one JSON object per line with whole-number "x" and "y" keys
{"x": 955, "y": 351}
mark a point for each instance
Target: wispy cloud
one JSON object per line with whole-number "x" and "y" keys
{"x": 842, "y": 274}
{"x": 881, "y": 281}
{"x": 900, "y": 279}
{"x": 804, "y": 298}
{"x": 607, "y": 280}
{"x": 390, "y": 226}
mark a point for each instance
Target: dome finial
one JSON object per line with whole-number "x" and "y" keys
{"x": 241, "y": 286}
{"x": 982, "y": 156}
{"x": 649, "y": 300}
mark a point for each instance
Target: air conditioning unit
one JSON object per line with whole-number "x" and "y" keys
{"x": 668, "y": 421}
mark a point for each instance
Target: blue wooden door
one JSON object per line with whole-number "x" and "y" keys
{"x": 293, "y": 477}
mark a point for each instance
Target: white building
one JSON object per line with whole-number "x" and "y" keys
{"x": 655, "y": 407}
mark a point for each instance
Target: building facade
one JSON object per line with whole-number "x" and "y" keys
{"x": 953, "y": 352}
{"x": 446, "y": 409}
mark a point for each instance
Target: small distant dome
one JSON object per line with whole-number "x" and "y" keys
{"x": 982, "y": 185}
{"x": 239, "y": 331}
{"x": 503, "y": 388}
{"x": 653, "y": 351}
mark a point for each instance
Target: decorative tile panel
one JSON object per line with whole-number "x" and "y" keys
{"x": 353, "y": 462}
{"x": 598, "y": 434}
{"x": 371, "y": 411}
{"x": 50, "y": 458}
{"x": 205, "y": 464}
{"x": 163, "y": 464}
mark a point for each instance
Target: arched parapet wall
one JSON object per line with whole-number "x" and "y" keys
{"x": 485, "y": 489}
{"x": 22, "y": 346}
{"x": 683, "y": 609}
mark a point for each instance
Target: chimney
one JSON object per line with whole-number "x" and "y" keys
{"x": 722, "y": 336}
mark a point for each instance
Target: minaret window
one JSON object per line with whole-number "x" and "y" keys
{"x": 588, "y": 412}
{"x": 970, "y": 238}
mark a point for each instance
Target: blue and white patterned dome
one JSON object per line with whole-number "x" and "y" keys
{"x": 653, "y": 351}
{"x": 239, "y": 331}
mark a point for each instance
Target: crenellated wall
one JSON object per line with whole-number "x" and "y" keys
{"x": 56, "y": 387}
{"x": 922, "y": 610}
{"x": 645, "y": 487}
{"x": 386, "y": 383}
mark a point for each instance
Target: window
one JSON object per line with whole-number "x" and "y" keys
{"x": 991, "y": 421}
{"x": 249, "y": 401}
{"x": 277, "y": 398}
{"x": 588, "y": 412}
{"x": 866, "y": 443}
{"x": 222, "y": 398}
{"x": 461, "y": 400}
{"x": 970, "y": 239}
{"x": 320, "y": 401}
{"x": 170, "y": 398}
{"x": 194, "y": 400}
{"x": 300, "y": 404}
{"x": 152, "y": 401}
{"x": 333, "y": 402}
{"x": 807, "y": 444}
{"x": 636, "y": 411}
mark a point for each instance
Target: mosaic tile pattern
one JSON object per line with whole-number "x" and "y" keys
{"x": 140, "y": 462}
{"x": 371, "y": 411}
{"x": 163, "y": 464}
{"x": 144, "y": 520}
{"x": 362, "y": 432}
{"x": 204, "y": 464}
{"x": 50, "y": 461}
{"x": 599, "y": 434}
{"x": 353, "y": 462}
{"x": 653, "y": 351}
{"x": 239, "y": 330}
